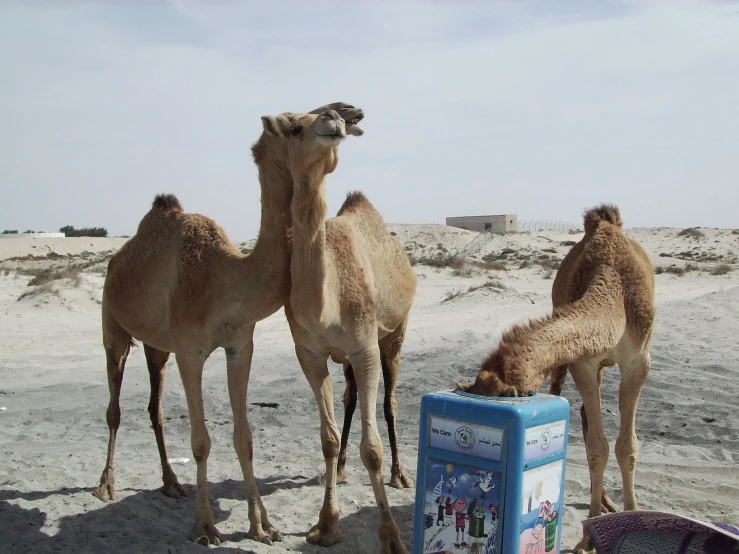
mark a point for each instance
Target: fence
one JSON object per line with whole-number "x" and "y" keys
{"x": 476, "y": 244}
{"x": 546, "y": 225}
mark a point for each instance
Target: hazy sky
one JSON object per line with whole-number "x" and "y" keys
{"x": 534, "y": 108}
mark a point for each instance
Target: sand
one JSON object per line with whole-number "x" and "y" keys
{"x": 53, "y": 387}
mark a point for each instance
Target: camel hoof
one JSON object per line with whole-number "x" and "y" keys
{"x": 401, "y": 480}
{"x": 266, "y": 535}
{"x": 322, "y": 534}
{"x": 340, "y": 474}
{"x": 173, "y": 490}
{"x": 205, "y": 534}
{"x": 106, "y": 491}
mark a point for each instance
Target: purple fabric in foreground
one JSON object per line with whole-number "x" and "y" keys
{"x": 647, "y": 533}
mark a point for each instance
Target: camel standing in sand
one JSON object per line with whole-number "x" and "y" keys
{"x": 603, "y": 315}
{"x": 180, "y": 286}
{"x": 352, "y": 289}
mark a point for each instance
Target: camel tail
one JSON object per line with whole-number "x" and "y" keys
{"x": 604, "y": 212}
{"x": 167, "y": 202}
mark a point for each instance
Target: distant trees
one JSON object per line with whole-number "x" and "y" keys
{"x": 70, "y": 231}
{"x": 10, "y": 232}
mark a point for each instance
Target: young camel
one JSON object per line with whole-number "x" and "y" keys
{"x": 352, "y": 289}
{"x": 603, "y": 315}
{"x": 180, "y": 286}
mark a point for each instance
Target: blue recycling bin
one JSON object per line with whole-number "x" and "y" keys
{"x": 491, "y": 474}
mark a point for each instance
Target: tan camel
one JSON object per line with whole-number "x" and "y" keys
{"x": 180, "y": 286}
{"x": 603, "y": 315}
{"x": 352, "y": 289}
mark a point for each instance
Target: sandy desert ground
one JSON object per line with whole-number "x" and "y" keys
{"x": 53, "y": 395}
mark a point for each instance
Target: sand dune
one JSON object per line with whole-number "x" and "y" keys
{"x": 53, "y": 387}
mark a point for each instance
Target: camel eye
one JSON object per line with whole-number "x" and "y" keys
{"x": 295, "y": 131}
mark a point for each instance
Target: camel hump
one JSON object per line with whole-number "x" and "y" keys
{"x": 604, "y": 212}
{"x": 167, "y": 202}
{"x": 353, "y": 201}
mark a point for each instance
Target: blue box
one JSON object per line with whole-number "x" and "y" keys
{"x": 491, "y": 474}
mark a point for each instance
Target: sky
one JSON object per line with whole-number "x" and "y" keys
{"x": 540, "y": 109}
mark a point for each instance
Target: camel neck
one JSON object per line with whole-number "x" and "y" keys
{"x": 272, "y": 248}
{"x": 307, "y": 266}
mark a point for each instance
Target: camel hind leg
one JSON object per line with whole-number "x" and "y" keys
{"x": 633, "y": 376}
{"x": 156, "y": 363}
{"x": 117, "y": 343}
{"x": 390, "y": 360}
{"x": 350, "y": 405}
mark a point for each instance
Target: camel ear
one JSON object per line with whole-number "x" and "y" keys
{"x": 276, "y": 126}
{"x": 464, "y": 387}
{"x": 511, "y": 391}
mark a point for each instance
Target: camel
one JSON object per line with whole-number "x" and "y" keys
{"x": 180, "y": 286}
{"x": 352, "y": 289}
{"x": 603, "y": 315}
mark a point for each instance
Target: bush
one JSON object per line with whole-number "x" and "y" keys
{"x": 70, "y": 231}
{"x": 675, "y": 270}
{"x": 451, "y": 295}
{"x": 497, "y": 265}
{"x": 440, "y": 260}
{"x": 722, "y": 269}
{"x": 550, "y": 250}
{"x": 691, "y": 232}
{"x": 465, "y": 270}
{"x": 43, "y": 276}
{"x": 568, "y": 243}
{"x": 10, "y": 232}
{"x": 735, "y": 232}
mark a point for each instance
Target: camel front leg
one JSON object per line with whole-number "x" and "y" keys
{"x": 117, "y": 343}
{"x": 156, "y": 363}
{"x": 315, "y": 367}
{"x": 390, "y": 360}
{"x": 585, "y": 375}
{"x": 350, "y": 404}
{"x": 633, "y": 377}
{"x": 191, "y": 371}
{"x": 367, "y": 369}
{"x": 239, "y": 368}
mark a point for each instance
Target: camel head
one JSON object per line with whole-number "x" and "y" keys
{"x": 313, "y": 138}
{"x": 498, "y": 376}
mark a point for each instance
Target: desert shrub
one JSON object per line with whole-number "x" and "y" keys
{"x": 496, "y": 284}
{"x": 550, "y": 250}
{"x": 463, "y": 270}
{"x": 691, "y": 232}
{"x": 441, "y": 260}
{"x": 246, "y": 250}
{"x": 673, "y": 269}
{"x": 45, "y": 288}
{"x": 691, "y": 267}
{"x": 70, "y": 231}
{"x": 497, "y": 265}
{"x": 451, "y": 295}
{"x": 524, "y": 264}
{"x": 43, "y": 276}
{"x": 10, "y": 232}
{"x": 665, "y": 255}
{"x": 735, "y": 232}
{"x": 722, "y": 269}
{"x": 568, "y": 243}
{"x": 548, "y": 274}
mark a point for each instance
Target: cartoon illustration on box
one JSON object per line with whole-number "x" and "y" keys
{"x": 541, "y": 509}
{"x": 457, "y": 501}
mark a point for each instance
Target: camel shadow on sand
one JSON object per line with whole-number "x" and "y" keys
{"x": 140, "y": 521}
